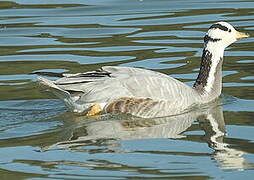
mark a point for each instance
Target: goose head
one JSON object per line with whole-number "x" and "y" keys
{"x": 219, "y": 36}
{"x": 222, "y": 34}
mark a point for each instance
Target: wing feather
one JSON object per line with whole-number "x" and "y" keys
{"x": 113, "y": 82}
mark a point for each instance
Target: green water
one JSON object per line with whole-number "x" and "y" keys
{"x": 40, "y": 139}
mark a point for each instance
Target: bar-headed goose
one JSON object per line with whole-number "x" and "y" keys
{"x": 145, "y": 93}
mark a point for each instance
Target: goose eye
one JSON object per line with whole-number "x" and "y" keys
{"x": 229, "y": 30}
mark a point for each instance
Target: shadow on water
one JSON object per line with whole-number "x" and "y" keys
{"x": 105, "y": 133}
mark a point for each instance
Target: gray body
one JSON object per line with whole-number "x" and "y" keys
{"x": 146, "y": 93}
{"x": 172, "y": 96}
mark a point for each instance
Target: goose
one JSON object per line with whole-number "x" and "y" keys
{"x": 145, "y": 93}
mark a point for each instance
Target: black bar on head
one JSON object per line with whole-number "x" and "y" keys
{"x": 221, "y": 27}
{"x": 208, "y": 38}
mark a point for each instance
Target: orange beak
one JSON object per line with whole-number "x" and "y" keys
{"x": 240, "y": 35}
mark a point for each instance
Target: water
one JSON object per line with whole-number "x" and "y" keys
{"x": 39, "y": 139}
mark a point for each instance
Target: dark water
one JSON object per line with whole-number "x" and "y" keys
{"x": 39, "y": 139}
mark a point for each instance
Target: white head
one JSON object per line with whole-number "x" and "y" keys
{"x": 223, "y": 34}
{"x": 219, "y": 36}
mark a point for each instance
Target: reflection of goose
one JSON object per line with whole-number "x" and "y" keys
{"x": 214, "y": 127}
{"x": 136, "y": 91}
{"x": 109, "y": 132}
{"x": 128, "y": 128}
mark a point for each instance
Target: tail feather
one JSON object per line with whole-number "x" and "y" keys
{"x": 51, "y": 74}
{"x": 65, "y": 96}
{"x": 54, "y": 88}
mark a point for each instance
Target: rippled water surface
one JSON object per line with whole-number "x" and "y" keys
{"x": 40, "y": 139}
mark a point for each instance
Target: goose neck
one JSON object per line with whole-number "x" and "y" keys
{"x": 209, "y": 80}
